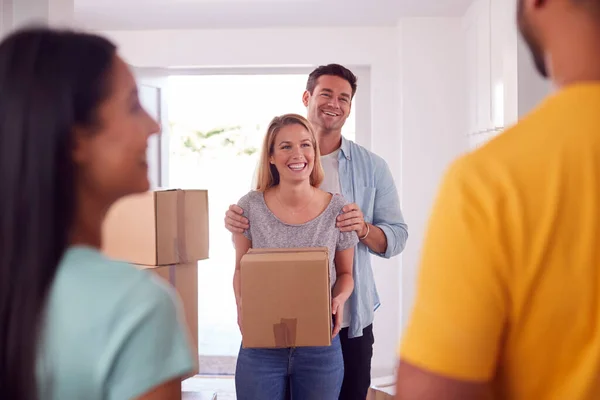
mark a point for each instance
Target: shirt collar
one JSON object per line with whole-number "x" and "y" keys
{"x": 345, "y": 148}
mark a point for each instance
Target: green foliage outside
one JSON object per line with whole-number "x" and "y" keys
{"x": 233, "y": 138}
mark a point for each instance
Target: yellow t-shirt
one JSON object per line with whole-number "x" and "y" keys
{"x": 509, "y": 281}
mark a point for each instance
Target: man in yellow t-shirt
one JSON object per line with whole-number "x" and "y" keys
{"x": 508, "y": 298}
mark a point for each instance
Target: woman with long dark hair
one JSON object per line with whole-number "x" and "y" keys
{"x": 73, "y": 139}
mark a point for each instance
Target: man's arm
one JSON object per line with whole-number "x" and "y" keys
{"x": 413, "y": 383}
{"x": 374, "y": 238}
{"x": 387, "y": 215}
{"x": 387, "y": 235}
{"x": 352, "y": 219}
{"x": 454, "y": 336}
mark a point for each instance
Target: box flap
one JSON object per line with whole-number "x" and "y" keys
{"x": 286, "y": 255}
{"x": 163, "y": 189}
{"x": 262, "y": 258}
{"x": 289, "y": 250}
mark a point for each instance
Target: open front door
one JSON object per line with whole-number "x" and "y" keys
{"x": 152, "y": 89}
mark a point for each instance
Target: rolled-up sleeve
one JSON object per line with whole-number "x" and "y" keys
{"x": 387, "y": 214}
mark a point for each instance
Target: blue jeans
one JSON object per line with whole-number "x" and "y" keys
{"x": 314, "y": 373}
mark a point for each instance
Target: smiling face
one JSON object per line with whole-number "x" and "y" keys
{"x": 293, "y": 153}
{"x": 112, "y": 159}
{"x": 329, "y": 104}
{"x": 290, "y": 153}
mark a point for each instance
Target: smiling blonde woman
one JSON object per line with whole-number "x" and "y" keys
{"x": 288, "y": 210}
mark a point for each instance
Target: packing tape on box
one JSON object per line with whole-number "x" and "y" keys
{"x": 180, "y": 245}
{"x": 285, "y": 332}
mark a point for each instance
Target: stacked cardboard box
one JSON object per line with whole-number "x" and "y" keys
{"x": 383, "y": 388}
{"x": 166, "y": 232}
{"x": 286, "y": 298}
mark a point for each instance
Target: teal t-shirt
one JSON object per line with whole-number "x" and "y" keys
{"x": 110, "y": 331}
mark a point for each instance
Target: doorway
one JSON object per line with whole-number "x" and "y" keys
{"x": 216, "y": 127}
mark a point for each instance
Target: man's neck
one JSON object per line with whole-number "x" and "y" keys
{"x": 575, "y": 58}
{"x": 329, "y": 141}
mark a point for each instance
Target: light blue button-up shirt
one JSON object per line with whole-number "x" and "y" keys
{"x": 366, "y": 180}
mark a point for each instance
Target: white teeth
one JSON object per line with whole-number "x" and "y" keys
{"x": 296, "y": 166}
{"x": 330, "y": 113}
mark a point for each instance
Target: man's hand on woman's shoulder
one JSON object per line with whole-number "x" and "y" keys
{"x": 235, "y": 222}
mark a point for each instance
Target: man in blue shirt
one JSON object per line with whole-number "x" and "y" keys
{"x": 365, "y": 179}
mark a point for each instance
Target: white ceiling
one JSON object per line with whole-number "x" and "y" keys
{"x": 204, "y": 14}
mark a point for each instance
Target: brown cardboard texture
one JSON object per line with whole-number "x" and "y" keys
{"x": 160, "y": 227}
{"x": 184, "y": 278}
{"x": 286, "y": 298}
{"x": 386, "y": 392}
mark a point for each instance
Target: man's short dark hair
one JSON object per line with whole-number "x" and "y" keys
{"x": 333, "y": 70}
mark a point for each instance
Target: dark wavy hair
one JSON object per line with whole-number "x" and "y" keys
{"x": 50, "y": 82}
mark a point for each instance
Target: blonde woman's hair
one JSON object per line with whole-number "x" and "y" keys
{"x": 268, "y": 176}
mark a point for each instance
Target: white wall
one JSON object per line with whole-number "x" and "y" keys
{"x": 27, "y": 11}
{"x": 532, "y": 88}
{"x": 524, "y": 86}
{"x": 433, "y": 124}
{"x": 16, "y": 13}
{"x": 428, "y": 112}
{"x": 510, "y": 60}
{"x": 6, "y": 16}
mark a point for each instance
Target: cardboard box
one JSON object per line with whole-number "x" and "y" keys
{"x": 199, "y": 395}
{"x": 382, "y": 393}
{"x": 160, "y": 227}
{"x": 382, "y": 388}
{"x": 184, "y": 278}
{"x": 286, "y": 298}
